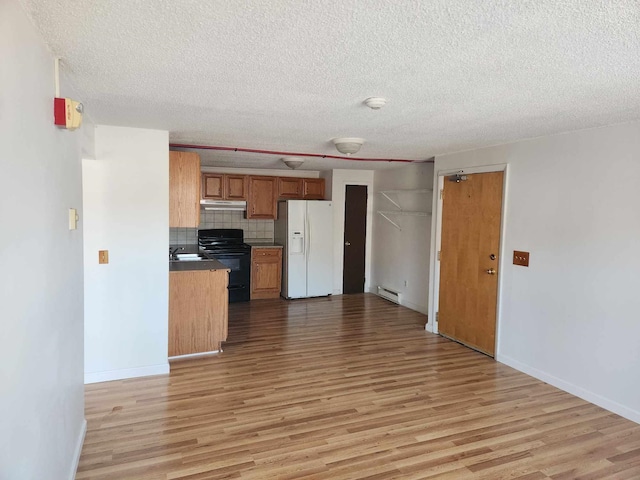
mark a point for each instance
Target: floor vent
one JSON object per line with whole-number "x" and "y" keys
{"x": 389, "y": 294}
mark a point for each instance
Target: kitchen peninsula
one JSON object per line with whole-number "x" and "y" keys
{"x": 198, "y": 302}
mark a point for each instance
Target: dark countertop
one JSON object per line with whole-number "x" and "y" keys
{"x": 262, "y": 243}
{"x": 186, "y": 266}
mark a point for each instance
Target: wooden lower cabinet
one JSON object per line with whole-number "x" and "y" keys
{"x": 198, "y": 311}
{"x": 266, "y": 272}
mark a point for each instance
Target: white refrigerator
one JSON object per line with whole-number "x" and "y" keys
{"x": 305, "y": 229}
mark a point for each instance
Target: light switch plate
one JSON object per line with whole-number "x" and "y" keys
{"x": 103, "y": 256}
{"x": 73, "y": 219}
{"x": 521, "y": 258}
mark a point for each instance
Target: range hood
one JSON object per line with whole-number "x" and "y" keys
{"x": 237, "y": 205}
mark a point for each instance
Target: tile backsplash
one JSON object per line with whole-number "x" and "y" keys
{"x": 223, "y": 219}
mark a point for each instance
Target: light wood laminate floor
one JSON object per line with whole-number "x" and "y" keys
{"x": 347, "y": 387}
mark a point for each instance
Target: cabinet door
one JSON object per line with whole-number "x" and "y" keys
{"x": 313, "y": 188}
{"x": 262, "y": 199}
{"x": 235, "y": 187}
{"x": 213, "y": 186}
{"x": 266, "y": 273}
{"x": 184, "y": 189}
{"x": 290, "y": 187}
{"x": 198, "y": 311}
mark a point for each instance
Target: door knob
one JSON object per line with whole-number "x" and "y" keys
{"x": 348, "y": 244}
{"x": 491, "y": 271}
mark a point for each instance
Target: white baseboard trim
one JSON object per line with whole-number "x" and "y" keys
{"x": 78, "y": 450}
{"x": 414, "y": 306}
{"x": 96, "y": 377}
{"x": 587, "y": 395}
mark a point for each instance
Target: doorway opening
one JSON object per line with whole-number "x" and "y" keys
{"x": 355, "y": 232}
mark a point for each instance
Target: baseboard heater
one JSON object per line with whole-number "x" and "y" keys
{"x": 389, "y": 294}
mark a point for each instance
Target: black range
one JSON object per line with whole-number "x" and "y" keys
{"x": 227, "y": 246}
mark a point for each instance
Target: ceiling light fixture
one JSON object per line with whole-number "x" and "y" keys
{"x": 348, "y": 145}
{"x": 293, "y": 162}
{"x": 375, "y": 103}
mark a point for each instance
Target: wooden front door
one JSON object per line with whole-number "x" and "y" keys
{"x": 469, "y": 259}
{"x": 355, "y": 232}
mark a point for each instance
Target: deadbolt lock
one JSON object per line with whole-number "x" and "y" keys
{"x": 492, "y": 256}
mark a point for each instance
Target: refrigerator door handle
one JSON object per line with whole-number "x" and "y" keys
{"x": 308, "y": 235}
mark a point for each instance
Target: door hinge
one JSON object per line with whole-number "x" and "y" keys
{"x": 438, "y": 255}
{"x": 442, "y": 194}
{"x": 437, "y": 314}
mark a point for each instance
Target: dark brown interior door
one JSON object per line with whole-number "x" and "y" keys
{"x": 469, "y": 259}
{"x": 355, "y": 228}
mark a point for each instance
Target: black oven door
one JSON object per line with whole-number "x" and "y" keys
{"x": 239, "y": 275}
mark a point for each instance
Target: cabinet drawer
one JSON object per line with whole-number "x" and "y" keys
{"x": 266, "y": 252}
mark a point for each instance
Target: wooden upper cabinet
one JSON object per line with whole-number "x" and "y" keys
{"x": 297, "y": 188}
{"x": 184, "y": 189}
{"x": 218, "y": 186}
{"x": 290, "y": 187}
{"x": 213, "y": 186}
{"x": 263, "y": 197}
{"x": 235, "y": 187}
{"x": 313, "y": 188}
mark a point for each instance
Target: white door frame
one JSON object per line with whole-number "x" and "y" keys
{"x": 436, "y": 231}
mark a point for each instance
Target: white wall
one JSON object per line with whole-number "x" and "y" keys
{"x": 400, "y": 259}
{"x": 571, "y": 318}
{"x": 41, "y": 389}
{"x": 126, "y": 198}
{"x": 270, "y": 172}
{"x": 339, "y": 180}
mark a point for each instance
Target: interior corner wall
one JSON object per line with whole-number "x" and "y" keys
{"x": 571, "y": 317}
{"x": 339, "y": 181}
{"x": 126, "y": 198}
{"x": 400, "y": 258}
{"x": 41, "y": 389}
{"x": 328, "y": 183}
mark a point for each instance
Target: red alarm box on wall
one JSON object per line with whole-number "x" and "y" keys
{"x": 67, "y": 113}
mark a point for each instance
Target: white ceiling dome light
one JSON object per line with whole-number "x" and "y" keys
{"x": 348, "y": 145}
{"x": 293, "y": 162}
{"x": 375, "y": 103}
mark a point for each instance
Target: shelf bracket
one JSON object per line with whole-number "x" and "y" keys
{"x": 386, "y": 195}
{"x": 390, "y": 221}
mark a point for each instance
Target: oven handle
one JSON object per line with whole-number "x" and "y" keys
{"x": 236, "y": 287}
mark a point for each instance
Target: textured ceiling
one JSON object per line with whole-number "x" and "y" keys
{"x": 291, "y": 75}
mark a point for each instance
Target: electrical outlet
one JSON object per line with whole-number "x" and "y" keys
{"x": 521, "y": 258}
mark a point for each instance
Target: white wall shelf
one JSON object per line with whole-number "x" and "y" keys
{"x": 386, "y": 194}
{"x": 396, "y": 202}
